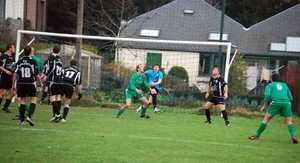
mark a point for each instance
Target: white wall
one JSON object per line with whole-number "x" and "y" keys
{"x": 14, "y": 9}
{"x": 188, "y": 60}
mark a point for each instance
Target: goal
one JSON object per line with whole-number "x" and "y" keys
{"x": 128, "y": 55}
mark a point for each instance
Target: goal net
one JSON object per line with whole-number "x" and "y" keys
{"x": 196, "y": 57}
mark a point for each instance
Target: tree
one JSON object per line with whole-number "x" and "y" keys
{"x": 237, "y": 77}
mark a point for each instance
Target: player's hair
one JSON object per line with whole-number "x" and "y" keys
{"x": 156, "y": 65}
{"x": 73, "y": 62}
{"x": 56, "y": 48}
{"x": 275, "y": 77}
{"x": 137, "y": 67}
{"x": 8, "y": 46}
{"x": 216, "y": 67}
{"x": 27, "y": 50}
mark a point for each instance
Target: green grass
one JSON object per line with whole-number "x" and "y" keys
{"x": 93, "y": 135}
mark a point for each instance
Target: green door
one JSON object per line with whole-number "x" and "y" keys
{"x": 153, "y": 58}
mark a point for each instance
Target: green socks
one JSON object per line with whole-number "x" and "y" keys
{"x": 26, "y": 108}
{"x": 143, "y": 112}
{"x": 291, "y": 129}
{"x": 260, "y": 129}
{"x": 121, "y": 111}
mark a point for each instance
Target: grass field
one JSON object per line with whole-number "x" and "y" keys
{"x": 93, "y": 135}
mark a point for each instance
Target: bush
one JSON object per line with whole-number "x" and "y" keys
{"x": 180, "y": 72}
{"x": 110, "y": 82}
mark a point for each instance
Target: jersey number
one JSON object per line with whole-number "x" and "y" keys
{"x": 69, "y": 74}
{"x": 58, "y": 70}
{"x": 25, "y": 72}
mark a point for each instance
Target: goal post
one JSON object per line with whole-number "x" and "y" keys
{"x": 226, "y": 44}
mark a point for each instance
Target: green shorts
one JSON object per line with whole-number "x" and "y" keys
{"x": 133, "y": 95}
{"x": 283, "y": 107}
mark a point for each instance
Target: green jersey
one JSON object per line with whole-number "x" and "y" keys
{"x": 39, "y": 63}
{"x": 277, "y": 91}
{"x": 138, "y": 81}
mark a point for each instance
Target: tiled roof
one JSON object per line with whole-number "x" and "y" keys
{"x": 175, "y": 25}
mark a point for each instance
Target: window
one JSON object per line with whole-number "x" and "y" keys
{"x": 277, "y": 47}
{"x": 293, "y": 44}
{"x": 188, "y": 11}
{"x": 215, "y": 36}
{"x": 149, "y": 32}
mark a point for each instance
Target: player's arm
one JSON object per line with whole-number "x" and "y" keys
{"x": 14, "y": 81}
{"x": 2, "y": 68}
{"x": 208, "y": 91}
{"x": 132, "y": 81}
{"x": 226, "y": 91}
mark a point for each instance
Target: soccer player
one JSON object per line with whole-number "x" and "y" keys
{"x": 134, "y": 91}
{"x": 26, "y": 73}
{"x": 155, "y": 77}
{"x": 277, "y": 98}
{"x": 53, "y": 73}
{"x": 220, "y": 93}
{"x": 40, "y": 67}
{"x": 6, "y": 72}
{"x": 71, "y": 78}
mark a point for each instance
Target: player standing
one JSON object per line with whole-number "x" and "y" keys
{"x": 26, "y": 73}
{"x": 53, "y": 73}
{"x": 71, "y": 78}
{"x": 277, "y": 98}
{"x": 6, "y": 72}
{"x": 220, "y": 93}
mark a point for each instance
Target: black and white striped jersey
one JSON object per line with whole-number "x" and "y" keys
{"x": 53, "y": 69}
{"x": 217, "y": 84}
{"x": 71, "y": 76}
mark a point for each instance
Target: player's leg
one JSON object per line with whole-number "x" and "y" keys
{"x": 12, "y": 93}
{"x": 224, "y": 113}
{"x": 207, "y": 107}
{"x": 124, "y": 107}
{"x": 262, "y": 126}
{"x": 68, "y": 92}
{"x": 144, "y": 107}
{"x": 66, "y": 109}
{"x": 154, "y": 96}
{"x": 286, "y": 112}
{"x": 2, "y": 90}
{"x": 22, "y": 110}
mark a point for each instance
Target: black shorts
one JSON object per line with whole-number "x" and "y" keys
{"x": 216, "y": 100}
{"x": 27, "y": 90}
{"x": 55, "y": 89}
{"x": 157, "y": 91}
{"x": 68, "y": 91}
{"x": 6, "y": 82}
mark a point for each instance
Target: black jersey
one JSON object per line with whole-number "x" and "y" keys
{"x": 53, "y": 69}
{"x": 217, "y": 84}
{"x": 6, "y": 61}
{"x": 71, "y": 76}
{"x": 27, "y": 70}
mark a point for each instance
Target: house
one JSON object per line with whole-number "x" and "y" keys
{"x": 13, "y": 13}
{"x": 268, "y": 44}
